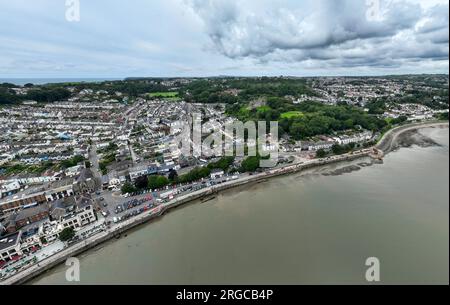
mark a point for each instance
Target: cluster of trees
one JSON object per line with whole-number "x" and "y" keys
{"x": 128, "y": 188}
{"x": 133, "y": 88}
{"x": 269, "y": 86}
{"x": 342, "y": 149}
{"x": 194, "y": 175}
{"x": 41, "y": 94}
{"x": 321, "y": 153}
{"x": 203, "y": 172}
{"x": 73, "y": 161}
{"x": 426, "y": 98}
{"x": 252, "y": 163}
{"x": 13, "y": 169}
{"x": 207, "y": 91}
{"x": 442, "y": 116}
{"x": 56, "y": 92}
{"x": 145, "y": 183}
{"x": 223, "y": 164}
{"x": 215, "y": 90}
{"x": 112, "y": 147}
{"x": 47, "y": 95}
{"x": 399, "y": 120}
{"x": 106, "y": 160}
{"x": 19, "y": 168}
{"x": 377, "y": 107}
{"x": 324, "y": 119}
{"x": 130, "y": 87}
{"x": 316, "y": 118}
{"x": 7, "y": 96}
{"x": 158, "y": 181}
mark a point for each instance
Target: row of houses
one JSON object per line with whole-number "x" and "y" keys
{"x": 327, "y": 144}
{"x": 36, "y": 197}
{"x": 36, "y": 159}
{"x": 83, "y": 182}
{"x": 32, "y": 180}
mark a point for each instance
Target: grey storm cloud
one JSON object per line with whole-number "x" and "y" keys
{"x": 333, "y": 32}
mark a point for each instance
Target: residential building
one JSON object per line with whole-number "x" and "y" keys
{"x": 10, "y": 247}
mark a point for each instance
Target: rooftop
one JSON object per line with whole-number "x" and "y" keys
{"x": 10, "y": 240}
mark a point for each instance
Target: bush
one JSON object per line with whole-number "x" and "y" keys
{"x": 73, "y": 161}
{"x": 342, "y": 149}
{"x": 157, "y": 182}
{"x": 250, "y": 164}
{"x": 67, "y": 234}
{"x": 223, "y": 164}
{"x": 128, "y": 188}
{"x": 194, "y": 175}
{"x": 321, "y": 153}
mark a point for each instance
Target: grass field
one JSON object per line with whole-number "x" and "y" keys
{"x": 291, "y": 114}
{"x": 164, "y": 94}
{"x": 263, "y": 108}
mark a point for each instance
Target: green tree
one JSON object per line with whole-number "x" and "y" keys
{"x": 141, "y": 183}
{"x": 67, "y": 234}
{"x": 250, "y": 164}
{"x": 194, "y": 175}
{"x": 321, "y": 153}
{"x": 223, "y": 164}
{"x": 173, "y": 175}
{"x": 338, "y": 149}
{"x": 342, "y": 149}
{"x": 128, "y": 188}
{"x": 157, "y": 182}
{"x": 73, "y": 161}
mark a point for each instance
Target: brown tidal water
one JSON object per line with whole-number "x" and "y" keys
{"x": 299, "y": 229}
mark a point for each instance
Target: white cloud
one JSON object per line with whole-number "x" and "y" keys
{"x": 336, "y": 33}
{"x": 115, "y": 38}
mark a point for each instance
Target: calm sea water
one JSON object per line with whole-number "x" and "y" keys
{"x": 300, "y": 229}
{"x": 43, "y": 81}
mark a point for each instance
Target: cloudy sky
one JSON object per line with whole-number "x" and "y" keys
{"x": 118, "y": 38}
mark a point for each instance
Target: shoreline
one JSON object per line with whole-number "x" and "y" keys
{"x": 385, "y": 144}
{"x": 389, "y": 139}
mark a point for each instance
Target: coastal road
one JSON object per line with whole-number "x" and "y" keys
{"x": 93, "y": 158}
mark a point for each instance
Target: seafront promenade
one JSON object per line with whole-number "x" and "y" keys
{"x": 385, "y": 144}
